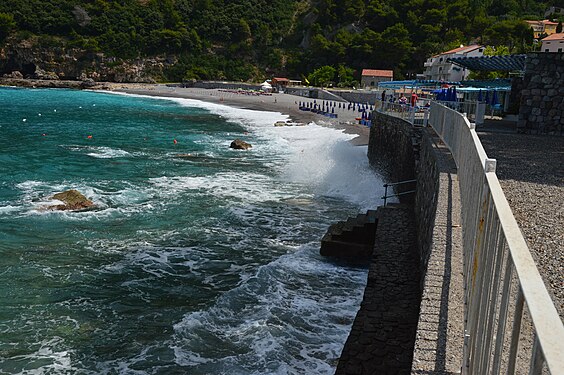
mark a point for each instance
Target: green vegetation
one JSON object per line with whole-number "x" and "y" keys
{"x": 329, "y": 40}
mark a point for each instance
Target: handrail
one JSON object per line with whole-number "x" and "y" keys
{"x": 386, "y": 196}
{"x": 495, "y": 253}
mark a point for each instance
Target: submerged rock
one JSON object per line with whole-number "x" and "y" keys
{"x": 187, "y": 156}
{"x": 73, "y": 200}
{"x": 240, "y": 145}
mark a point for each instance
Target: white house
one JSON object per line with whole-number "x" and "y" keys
{"x": 553, "y": 43}
{"x": 438, "y": 69}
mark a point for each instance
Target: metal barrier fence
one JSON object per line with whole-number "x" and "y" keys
{"x": 500, "y": 274}
{"x": 417, "y": 115}
{"x": 475, "y": 111}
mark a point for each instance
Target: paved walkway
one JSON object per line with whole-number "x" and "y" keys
{"x": 383, "y": 334}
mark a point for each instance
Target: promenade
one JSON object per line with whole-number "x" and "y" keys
{"x": 531, "y": 172}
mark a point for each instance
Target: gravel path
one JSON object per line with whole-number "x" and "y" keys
{"x": 531, "y": 173}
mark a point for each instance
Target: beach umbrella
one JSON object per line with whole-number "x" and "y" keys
{"x": 480, "y": 95}
{"x": 487, "y": 100}
{"x": 495, "y": 99}
{"x": 454, "y": 98}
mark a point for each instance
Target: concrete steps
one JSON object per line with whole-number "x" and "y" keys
{"x": 353, "y": 238}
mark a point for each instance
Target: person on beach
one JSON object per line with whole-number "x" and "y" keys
{"x": 383, "y": 98}
{"x": 414, "y": 99}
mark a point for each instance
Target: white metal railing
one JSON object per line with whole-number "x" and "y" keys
{"x": 414, "y": 115}
{"x": 500, "y": 274}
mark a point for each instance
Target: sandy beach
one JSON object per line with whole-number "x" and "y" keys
{"x": 283, "y": 103}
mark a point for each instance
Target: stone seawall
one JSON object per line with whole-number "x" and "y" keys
{"x": 355, "y": 96}
{"x": 218, "y": 85}
{"x": 383, "y": 333}
{"x": 404, "y": 152}
{"x": 391, "y": 151}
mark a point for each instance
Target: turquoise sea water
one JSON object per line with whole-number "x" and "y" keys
{"x": 201, "y": 265}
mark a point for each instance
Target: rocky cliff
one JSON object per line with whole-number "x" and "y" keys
{"x": 28, "y": 59}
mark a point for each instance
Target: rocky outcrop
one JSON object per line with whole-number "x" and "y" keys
{"x": 14, "y": 75}
{"x": 51, "y": 63}
{"x": 73, "y": 201}
{"x": 240, "y": 145}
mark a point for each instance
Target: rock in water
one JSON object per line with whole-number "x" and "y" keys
{"x": 73, "y": 200}
{"x": 240, "y": 145}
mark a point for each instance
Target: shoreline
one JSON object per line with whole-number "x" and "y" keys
{"x": 282, "y": 103}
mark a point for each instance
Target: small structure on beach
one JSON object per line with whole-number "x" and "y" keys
{"x": 280, "y": 83}
{"x": 266, "y": 86}
{"x": 371, "y": 77}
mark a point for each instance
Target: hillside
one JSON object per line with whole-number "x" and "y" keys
{"x": 171, "y": 40}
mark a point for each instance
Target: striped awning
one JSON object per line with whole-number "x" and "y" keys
{"x": 506, "y": 63}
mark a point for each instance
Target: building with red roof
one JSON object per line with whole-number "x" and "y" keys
{"x": 371, "y": 77}
{"x": 553, "y": 43}
{"x": 542, "y": 27}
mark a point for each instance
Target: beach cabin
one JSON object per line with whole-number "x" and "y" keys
{"x": 553, "y": 43}
{"x": 279, "y": 83}
{"x": 371, "y": 77}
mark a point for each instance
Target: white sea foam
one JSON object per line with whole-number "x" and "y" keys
{"x": 48, "y": 359}
{"x": 100, "y": 152}
{"x": 249, "y": 187}
{"x": 108, "y": 153}
{"x": 291, "y": 323}
{"x": 8, "y": 209}
{"x": 315, "y": 155}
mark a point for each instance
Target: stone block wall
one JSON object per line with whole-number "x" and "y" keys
{"x": 220, "y": 85}
{"x": 390, "y": 150}
{"x": 369, "y": 97}
{"x": 439, "y": 339}
{"x": 542, "y": 98}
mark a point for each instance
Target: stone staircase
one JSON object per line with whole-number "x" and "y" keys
{"x": 353, "y": 238}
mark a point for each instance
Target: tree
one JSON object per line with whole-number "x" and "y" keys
{"x": 7, "y": 23}
{"x": 345, "y": 76}
{"x": 322, "y": 76}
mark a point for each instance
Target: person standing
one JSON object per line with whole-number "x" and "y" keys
{"x": 383, "y": 98}
{"x": 414, "y": 99}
